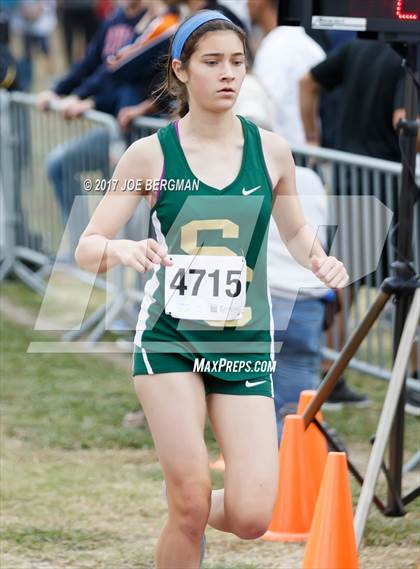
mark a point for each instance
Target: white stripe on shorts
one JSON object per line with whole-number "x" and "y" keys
{"x": 147, "y": 363}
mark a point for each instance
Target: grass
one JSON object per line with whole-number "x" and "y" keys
{"x": 357, "y": 425}
{"x": 81, "y": 491}
{"x": 19, "y": 294}
{"x": 36, "y": 538}
{"x": 74, "y": 401}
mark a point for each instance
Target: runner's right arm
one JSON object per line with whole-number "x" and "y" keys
{"x": 98, "y": 250}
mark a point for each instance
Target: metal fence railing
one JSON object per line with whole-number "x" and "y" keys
{"x": 45, "y": 162}
{"x": 358, "y": 188}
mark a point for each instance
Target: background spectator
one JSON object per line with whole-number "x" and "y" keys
{"x": 80, "y": 18}
{"x": 84, "y": 78}
{"x": 298, "y": 303}
{"x": 254, "y": 103}
{"x": 90, "y": 152}
{"x": 369, "y": 74}
{"x": 330, "y": 100}
{"x": 283, "y": 56}
{"x": 36, "y": 20}
{"x": 140, "y": 64}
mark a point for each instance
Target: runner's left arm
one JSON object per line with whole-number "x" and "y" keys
{"x": 298, "y": 235}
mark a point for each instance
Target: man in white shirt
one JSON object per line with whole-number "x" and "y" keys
{"x": 298, "y": 302}
{"x": 285, "y": 54}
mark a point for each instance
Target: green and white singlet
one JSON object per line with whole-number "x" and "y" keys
{"x": 193, "y": 218}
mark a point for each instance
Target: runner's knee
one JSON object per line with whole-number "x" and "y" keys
{"x": 249, "y": 518}
{"x": 249, "y": 524}
{"x": 190, "y": 502}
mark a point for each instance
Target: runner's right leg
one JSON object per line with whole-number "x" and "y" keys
{"x": 175, "y": 408}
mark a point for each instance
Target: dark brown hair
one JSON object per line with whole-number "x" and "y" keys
{"x": 172, "y": 87}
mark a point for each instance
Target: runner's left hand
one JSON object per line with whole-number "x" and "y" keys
{"x": 330, "y": 271}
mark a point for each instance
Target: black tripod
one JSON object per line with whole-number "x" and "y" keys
{"x": 405, "y": 274}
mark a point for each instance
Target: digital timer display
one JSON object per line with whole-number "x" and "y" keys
{"x": 367, "y": 15}
{"x": 392, "y": 20}
{"x": 402, "y": 15}
{"x": 408, "y": 10}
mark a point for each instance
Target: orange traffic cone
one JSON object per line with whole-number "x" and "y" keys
{"x": 295, "y": 496}
{"x": 315, "y": 445}
{"x": 218, "y": 464}
{"x": 332, "y": 541}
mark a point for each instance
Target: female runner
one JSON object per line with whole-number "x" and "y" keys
{"x": 229, "y": 177}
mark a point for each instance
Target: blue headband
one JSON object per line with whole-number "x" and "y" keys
{"x": 190, "y": 25}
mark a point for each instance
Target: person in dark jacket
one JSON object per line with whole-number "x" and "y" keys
{"x": 140, "y": 64}
{"x": 369, "y": 73}
{"x": 85, "y": 80}
{"x": 84, "y": 88}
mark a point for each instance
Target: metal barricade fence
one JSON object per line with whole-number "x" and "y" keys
{"x": 46, "y": 160}
{"x": 146, "y": 126}
{"x": 360, "y": 238}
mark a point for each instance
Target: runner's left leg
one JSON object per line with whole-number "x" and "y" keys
{"x": 245, "y": 428}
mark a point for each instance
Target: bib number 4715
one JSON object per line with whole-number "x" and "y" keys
{"x": 206, "y": 287}
{"x": 232, "y": 279}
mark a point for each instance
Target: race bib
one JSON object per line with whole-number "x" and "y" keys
{"x": 206, "y": 287}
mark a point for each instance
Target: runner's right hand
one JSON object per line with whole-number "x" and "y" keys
{"x": 140, "y": 255}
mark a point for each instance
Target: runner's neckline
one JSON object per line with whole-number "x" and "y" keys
{"x": 243, "y": 161}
